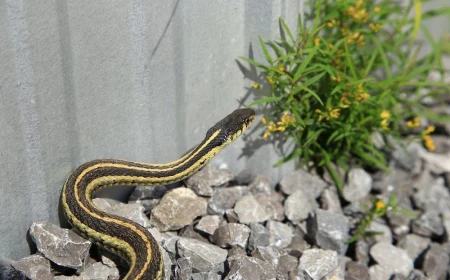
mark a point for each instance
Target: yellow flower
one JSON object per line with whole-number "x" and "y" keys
{"x": 385, "y": 114}
{"x": 345, "y": 103}
{"x": 263, "y": 120}
{"x": 266, "y": 135}
{"x": 413, "y": 123}
{"x": 318, "y": 111}
{"x": 281, "y": 68}
{"x": 379, "y": 205}
{"x": 256, "y": 85}
{"x": 430, "y": 129}
{"x": 334, "y": 113}
{"x": 375, "y": 27}
{"x": 316, "y": 41}
{"x": 361, "y": 96}
{"x": 428, "y": 142}
{"x": 336, "y": 79}
{"x": 377, "y": 9}
{"x": 270, "y": 80}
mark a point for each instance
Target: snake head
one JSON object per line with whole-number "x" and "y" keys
{"x": 232, "y": 126}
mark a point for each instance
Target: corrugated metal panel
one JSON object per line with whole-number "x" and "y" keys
{"x": 140, "y": 80}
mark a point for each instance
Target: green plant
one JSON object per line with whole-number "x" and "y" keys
{"x": 355, "y": 70}
{"x": 378, "y": 210}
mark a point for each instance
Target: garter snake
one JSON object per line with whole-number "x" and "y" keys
{"x": 121, "y": 236}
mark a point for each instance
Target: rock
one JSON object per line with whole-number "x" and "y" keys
{"x": 429, "y": 225}
{"x": 231, "y": 216}
{"x": 250, "y": 268}
{"x": 377, "y": 140}
{"x": 236, "y": 253}
{"x": 356, "y": 271}
{"x": 278, "y": 259}
{"x": 280, "y": 234}
{"x": 414, "y": 245}
{"x": 417, "y": 275}
{"x": 208, "y": 224}
{"x": 204, "y": 257}
{"x": 148, "y": 204}
{"x": 183, "y": 269}
{"x": 272, "y": 205}
{"x": 330, "y": 231}
{"x": 433, "y": 198}
{"x": 61, "y": 246}
{"x": 206, "y": 276}
{"x": 301, "y": 179}
{"x": 399, "y": 223}
{"x": 142, "y": 193}
{"x": 190, "y": 232}
{"x": 378, "y": 272}
{"x": 259, "y": 236}
{"x": 298, "y": 246}
{"x": 260, "y": 184}
{"x": 203, "y": 181}
{"x": 391, "y": 258}
{"x": 134, "y": 212}
{"x": 362, "y": 252}
{"x": 8, "y": 272}
{"x": 330, "y": 201}
{"x": 35, "y": 267}
{"x": 249, "y": 210}
{"x": 298, "y": 206}
{"x": 384, "y": 232}
{"x": 245, "y": 177}
{"x": 225, "y": 198}
{"x": 100, "y": 271}
{"x": 435, "y": 263}
{"x": 231, "y": 234}
{"x": 405, "y": 158}
{"x": 438, "y": 163}
{"x": 359, "y": 184}
{"x": 167, "y": 264}
{"x": 178, "y": 208}
{"x": 317, "y": 263}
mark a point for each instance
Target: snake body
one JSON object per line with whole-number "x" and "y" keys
{"x": 121, "y": 236}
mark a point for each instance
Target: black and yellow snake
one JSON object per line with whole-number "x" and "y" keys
{"x": 121, "y": 236}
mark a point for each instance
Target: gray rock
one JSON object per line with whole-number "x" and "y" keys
{"x": 391, "y": 258}
{"x": 259, "y": 236}
{"x": 278, "y": 259}
{"x": 302, "y": 180}
{"x": 245, "y": 177}
{"x": 8, "y": 272}
{"x": 260, "y": 184}
{"x": 225, "y": 198}
{"x": 330, "y": 231}
{"x": 170, "y": 244}
{"x": 435, "y": 263}
{"x": 148, "y": 204}
{"x": 100, "y": 271}
{"x": 236, "y": 253}
{"x": 378, "y": 140}
{"x": 433, "y": 198}
{"x": 384, "y": 232}
{"x": 329, "y": 200}
{"x": 178, "y": 208}
{"x": 183, "y": 269}
{"x": 231, "y": 216}
{"x": 204, "y": 257}
{"x": 406, "y": 158}
{"x": 249, "y": 210}
{"x": 167, "y": 264}
{"x": 317, "y": 263}
{"x": 362, "y": 252}
{"x": 417, "y": 275}
{"x": 356, "y": 271}
{"x": 414, "y": 245}
{"x": 206, "y": 276}
{"x": 359, "y": 184}
{"x": 203, "y": 181}
{"x": 438, "y": 163}
{"x": 272, "y": 205}
{"x": 379, "y": 272}
{"x": 190, "y": 232}
{"x": 298, "y": 206}
{"x": 142, "y": 193}
{"x": 428, "y": 224}
{"x": 231, "y": 234}
{"x": 280, "y": 234}
{"x": 208, "y": 224}
{"x": 298, "y": 246}
{"x": 35, "y": 267}
{"x": 134, "y": 212}
{"x": 61, "y": 246}
{"x": 399, "y": 223}
{"x": 250, "y": 268}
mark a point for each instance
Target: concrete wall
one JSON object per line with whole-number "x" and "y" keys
{"x": 139, "y": 80}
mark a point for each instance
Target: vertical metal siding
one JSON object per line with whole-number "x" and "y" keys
{"x": 140, "y": 80}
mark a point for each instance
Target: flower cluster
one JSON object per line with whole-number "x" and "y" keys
{"x": 427, "y": 140}
{"x": 331, "y": 113}
{"x": 286, "y": 120}
{"x": 385, "y": 115}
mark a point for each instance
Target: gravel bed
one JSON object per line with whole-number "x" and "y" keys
{"x": 219, "y": 225}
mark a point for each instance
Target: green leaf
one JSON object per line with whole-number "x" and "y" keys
{"x": 305, "y": 63}
{"x": 264, "y": 49}
{"x": 285, "y": 28}
{"x": 266, "y": 100}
